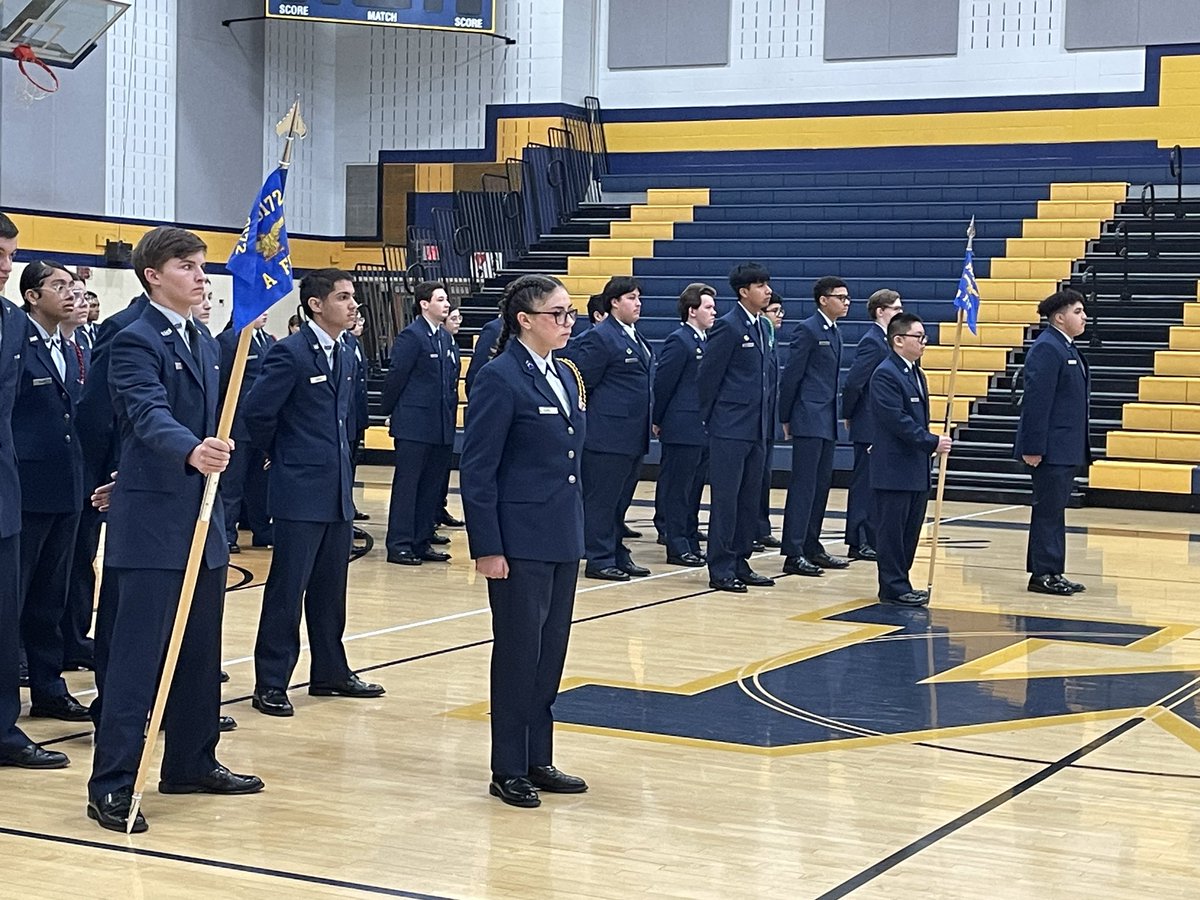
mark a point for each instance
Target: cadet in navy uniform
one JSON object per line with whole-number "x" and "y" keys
{"x": 871, "y": 349}
{"x": 482, "y": 351}
{"x": 1052, "y": 437}
{"x": 773, "y": 325}
{"x": 51, "y": 467}
{"x": 443, "y": 516}
{"x": 244, "y": 483}
{"x": 360, "y": 416}
{"x": 520, "y": 472}
{"x": 617, "y": 367}
{"x": 417, "y": 394}
{"x": 16, "y": 749}
{"x": 164, "y": 375}
{"x": 679, "y": 428}
{"x": 298, "y": 412}
{"x": 900, "y": 458}
{"x": 808, "y": 392}
{"x": 733, "y": 382}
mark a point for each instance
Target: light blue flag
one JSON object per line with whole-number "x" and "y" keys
{"x": 967, "y": 298}
{"x": 261, "y": 262}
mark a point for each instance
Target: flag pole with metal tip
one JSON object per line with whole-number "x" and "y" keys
{"x": 947, "y": 427}
{"x": 290, "y": 128}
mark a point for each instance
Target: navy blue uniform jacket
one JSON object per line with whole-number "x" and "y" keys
{"x": 420, "y": 391}
{"x": 520, "y": 467}
{"x": 96, "y": 422}
{"x": 43, "y": 421}
{"x": 617, "y": 373}
{"x": 1054, "y": 407}
{"x": 228, "y": 341}
{"x": 12, "y": 350}
{"x": 676, "y": 394}
{"x": 809, "y": 385}
{"x": 166, "y": 404}
{"x": 900, "y": 454}
{"x": 361, "y": 417}
{"x": 482, "y": 352}
{"x": 734, "y": 378}
{"x": 297, "y": 413}
{"x": 856, "y": 392}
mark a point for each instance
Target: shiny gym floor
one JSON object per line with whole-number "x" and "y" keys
{"x": 795, "y": 742}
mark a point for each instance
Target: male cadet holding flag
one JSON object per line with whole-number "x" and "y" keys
{"x": 163, "y": 375}
{"x": 299, "y": 412}
{"x": 16, "y": 749}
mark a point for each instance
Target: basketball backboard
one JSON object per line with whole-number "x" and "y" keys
{"x": 58, "y": 32}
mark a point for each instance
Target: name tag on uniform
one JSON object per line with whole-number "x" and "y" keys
{"x": 547, "y": 410}
{"x": 252, "y": 356}
{"x": 748, "y": 344}
{"x": 433, "y": 356}
{"x": 38, "y": 382}
{"x": 1072, "y": 362}
{"x": 317, "y": 379}
{"x": 914, "y": 399}
{"x": 630, "y": 359}
{"x": 822, "y": 343}
{"x": 178, "y": 365}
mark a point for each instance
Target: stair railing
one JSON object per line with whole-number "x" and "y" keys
{"x": 1175, "y": 164}
{"x": 1093, "y": 306}
{"x": 1123, "y": 252}
{"x": 1149, "y": 211}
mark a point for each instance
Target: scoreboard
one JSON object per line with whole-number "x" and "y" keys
{"x": 453, "y": 15}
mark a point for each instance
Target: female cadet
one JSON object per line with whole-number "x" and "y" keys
{"x": 519, "y": 475}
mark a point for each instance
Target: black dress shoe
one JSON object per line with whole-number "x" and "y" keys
{"x": 226, "y": 723}
{"x": 404, "y": 558}
{"x": 261, "y": 543}
{"x": 733, "y": 585}
{"x": 1049, "y": 584}
{"x": 769, "y": 540}
{"x": 608, "y": 573}
{"x": 272, "y": 702}
{"x": 798, "y": 565}
{"x": 450, "y": 522}
{"x": 912, "y": 598}
{"x": 687, "y": 559}
{"x": 633, "y": 570}
{"x": 219, "y": 781}
{"x": 351, "y": 687}
{"x": 439, "y": 539}
{"x": 112, "y": 810}
{"x": 627, "y": 532}
{"x": 234, "y": 548}
{"x": 31, "y": 756}
{"x": 66, "y": 708}
{"x": 435, "y": 556}
{"x": 1075, "y": 586}
{"x": 864, "y": 551}
{"x": 515, "y": 792}
{"x": 825, "y": 561}
{"x": 751, "y": 578}
{"x": 361, "y": 516}
{"x": 224, "y": 677}
{"x": 757, "y": 547}
{"x": 549, "y": 779}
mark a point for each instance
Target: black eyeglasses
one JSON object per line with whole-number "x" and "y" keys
{"x": 561, "y": 316}
{"x": 921, "y": 338}
{"x": 845, "y": 297}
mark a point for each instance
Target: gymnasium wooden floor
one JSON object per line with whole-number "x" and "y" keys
{"x": 795, "y": 742}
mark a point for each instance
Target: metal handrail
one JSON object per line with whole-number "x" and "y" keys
{"x": 1175, "y": 165}
{"x": 1093, "y": 303}
{"x": 1149, "y": 211}
{"x": 1123, "y": 252}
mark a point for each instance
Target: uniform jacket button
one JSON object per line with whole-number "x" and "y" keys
{"x": 570, "y": 479}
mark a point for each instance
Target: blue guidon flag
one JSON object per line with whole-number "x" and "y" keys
{"x": 261, "y": 262}
{"x": 967, "y": 298}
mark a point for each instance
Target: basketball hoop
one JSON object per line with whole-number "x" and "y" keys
{"x": 25, "y": 57}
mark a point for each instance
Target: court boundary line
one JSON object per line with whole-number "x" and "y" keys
{"x": 889, "y": 862}
{"x": 169, "y": 856}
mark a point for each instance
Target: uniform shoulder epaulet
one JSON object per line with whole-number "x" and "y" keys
{"x": 578, "y": 381}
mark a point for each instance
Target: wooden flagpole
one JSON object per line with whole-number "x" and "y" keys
{"x": 948, "y": 425}
{"x": 199, "y": 535}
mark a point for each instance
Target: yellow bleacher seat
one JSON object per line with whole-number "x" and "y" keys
{"x": 1158, "y": 389}
{"x": 664, "y": 213}
{"x": 599, "y": 265}
{"x": 1159, "y": 446}
{"x": 1184, "y": 337}
{"x": 1178, "y": 417}
{"x": 1177, "y": 362}
{"x": 1121, "y": 475}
